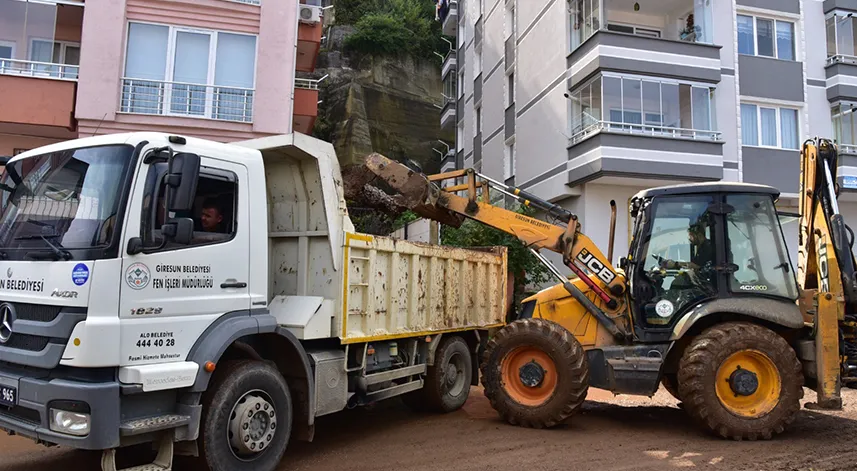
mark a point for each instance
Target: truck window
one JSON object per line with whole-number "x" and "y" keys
{"x": 213, "y": 211}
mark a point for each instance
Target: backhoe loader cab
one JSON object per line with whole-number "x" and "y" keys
{"x": 696, "y": 243}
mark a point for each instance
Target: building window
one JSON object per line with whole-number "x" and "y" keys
{"x": 459, "y": 136}
{"x": 766, "y": 37}
{"x": 769, "y": 126}
{"x": 510, "y": 87}
{"x": 177, "y": 71}
{"x": 449, "y": 88}
{"x": 844, "y": 125}
{"x": 643, "y": 106}
{"x": 461, "y": 85}
{"x": 477, "y": 124}
{"x": 841, "y": 41}
{"x": 509, "y": 160}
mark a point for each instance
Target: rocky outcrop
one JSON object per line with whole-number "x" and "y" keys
{"x": 389, "y": 105}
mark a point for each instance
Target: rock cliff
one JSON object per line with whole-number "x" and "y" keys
{"x": 388, "y": 105}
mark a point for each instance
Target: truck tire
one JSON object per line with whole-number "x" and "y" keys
{"x": 535, "y": 373}
{"x": 741, "y": 381}
{"x": 447, "y": 383}
{"x": 247, "y": 407}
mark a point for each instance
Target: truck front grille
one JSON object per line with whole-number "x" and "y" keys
{"x": 44, "y": 332}
{"x": 32, "y": 343}
{"x": 36, "y": 312}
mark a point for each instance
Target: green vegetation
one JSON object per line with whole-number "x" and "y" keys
{"x": 391, "y": 27}
{"x": 526, "y": 267}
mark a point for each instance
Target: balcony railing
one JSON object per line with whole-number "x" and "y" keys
{"x": 186, "y": 99}
{"x": 847, "y": 148}
{"x": 595, "y": 127}
{"x": 308, "y": 84}
{"x": 841, "y": 59}
{"x": 39, "y": 69}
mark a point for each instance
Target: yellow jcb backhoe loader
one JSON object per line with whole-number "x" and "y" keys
{"x": 706, "y": 301}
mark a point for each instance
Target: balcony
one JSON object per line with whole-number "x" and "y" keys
{"x": 306, "y": 104}
{"x": 310, "y": 28}
{"x": 39, "y": 57}
{"x": 644, "y": 127}
{"x": 450, "y": 64}
{"x": 448, "y": 15}
{"x": 155, "y": 97}
{"x": 841, "y": 65}
{"x": 448, "y": 114}
{"x": 672, "y": 39}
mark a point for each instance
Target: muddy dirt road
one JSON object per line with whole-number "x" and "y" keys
{"x": 622, "y": 433}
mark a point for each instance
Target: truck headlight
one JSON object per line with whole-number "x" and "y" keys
{"x": 71, "y": 423}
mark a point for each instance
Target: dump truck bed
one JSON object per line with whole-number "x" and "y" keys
{"x": 327, "y": 281}
{"x": 396, "y": 288}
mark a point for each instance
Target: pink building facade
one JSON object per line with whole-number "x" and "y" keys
{"x": 217, "y": 69}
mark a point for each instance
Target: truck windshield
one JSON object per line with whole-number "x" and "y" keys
{"x": 62, "y": 201}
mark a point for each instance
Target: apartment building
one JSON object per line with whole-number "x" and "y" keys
{"x": 586, "y": 101}
{"x": 218, "y": 69}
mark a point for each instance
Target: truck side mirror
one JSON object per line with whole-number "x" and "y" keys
{"x": 181, "y": 178}
{"x": 179, "y": 230}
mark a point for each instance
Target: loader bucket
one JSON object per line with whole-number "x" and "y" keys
{"x": 415, "y": 191}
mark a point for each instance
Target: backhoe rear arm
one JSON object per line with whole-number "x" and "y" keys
{"x": 578, "y": 251}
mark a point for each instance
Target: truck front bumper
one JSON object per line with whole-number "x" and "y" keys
{"x": 31, "y": 416}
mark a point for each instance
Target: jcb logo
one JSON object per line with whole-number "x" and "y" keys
{"x": 596, "y": 266}
{"x": 823, "y": 272}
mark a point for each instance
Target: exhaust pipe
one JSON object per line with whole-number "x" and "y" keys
{"x": 612, "y": 230}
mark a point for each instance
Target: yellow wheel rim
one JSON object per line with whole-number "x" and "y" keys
{"x": 748, "y": 384}
{"x": 529, "y": 376}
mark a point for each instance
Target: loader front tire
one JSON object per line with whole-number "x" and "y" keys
{"x": 741, "y": 381}
{"x": 535, "y": 373}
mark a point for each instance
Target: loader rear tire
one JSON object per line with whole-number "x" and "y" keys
{"x": 741, "y": 381}
{"x": 535, "y": 373}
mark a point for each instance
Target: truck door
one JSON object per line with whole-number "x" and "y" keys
{"x": 171, "y": 293}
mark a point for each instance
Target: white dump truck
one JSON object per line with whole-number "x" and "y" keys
{"x": 213, "y": 299}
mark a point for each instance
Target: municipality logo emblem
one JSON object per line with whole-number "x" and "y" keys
{"x": 137, "y": 276}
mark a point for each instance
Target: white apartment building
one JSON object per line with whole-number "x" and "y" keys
{"x": 586, "y": 101}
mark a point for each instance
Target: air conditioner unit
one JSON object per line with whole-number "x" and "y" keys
{"x": 309, "y": 14}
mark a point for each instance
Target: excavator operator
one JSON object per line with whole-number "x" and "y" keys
{"x": 701, "y": 249}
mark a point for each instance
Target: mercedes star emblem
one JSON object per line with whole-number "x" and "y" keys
{"x": 9, "y": 272}
{"x": 7, "y": 316}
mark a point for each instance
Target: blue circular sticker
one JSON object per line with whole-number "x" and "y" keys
{"x": 80, "y": 274}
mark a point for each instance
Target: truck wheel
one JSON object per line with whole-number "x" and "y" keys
{"x": 741, "y": 381}
{"x": 535, "y": 373}
{"x": 246, "y": 418}
{"x": 447, "y": 383}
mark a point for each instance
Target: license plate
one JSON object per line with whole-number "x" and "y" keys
{"x": 8, "y": 396}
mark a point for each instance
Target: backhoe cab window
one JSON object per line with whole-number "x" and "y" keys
{"x": 679, "y": 257}
{"x": 758, "y": 249}
{"x": 213, "y": 211}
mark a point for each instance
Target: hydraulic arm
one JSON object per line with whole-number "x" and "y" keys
{"x": 424, "y": 196}
{"x": 826, "y": 267}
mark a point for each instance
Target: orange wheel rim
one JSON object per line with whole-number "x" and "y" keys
{"x": 761, "y": 384}
{"x": 528, "y": 375}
